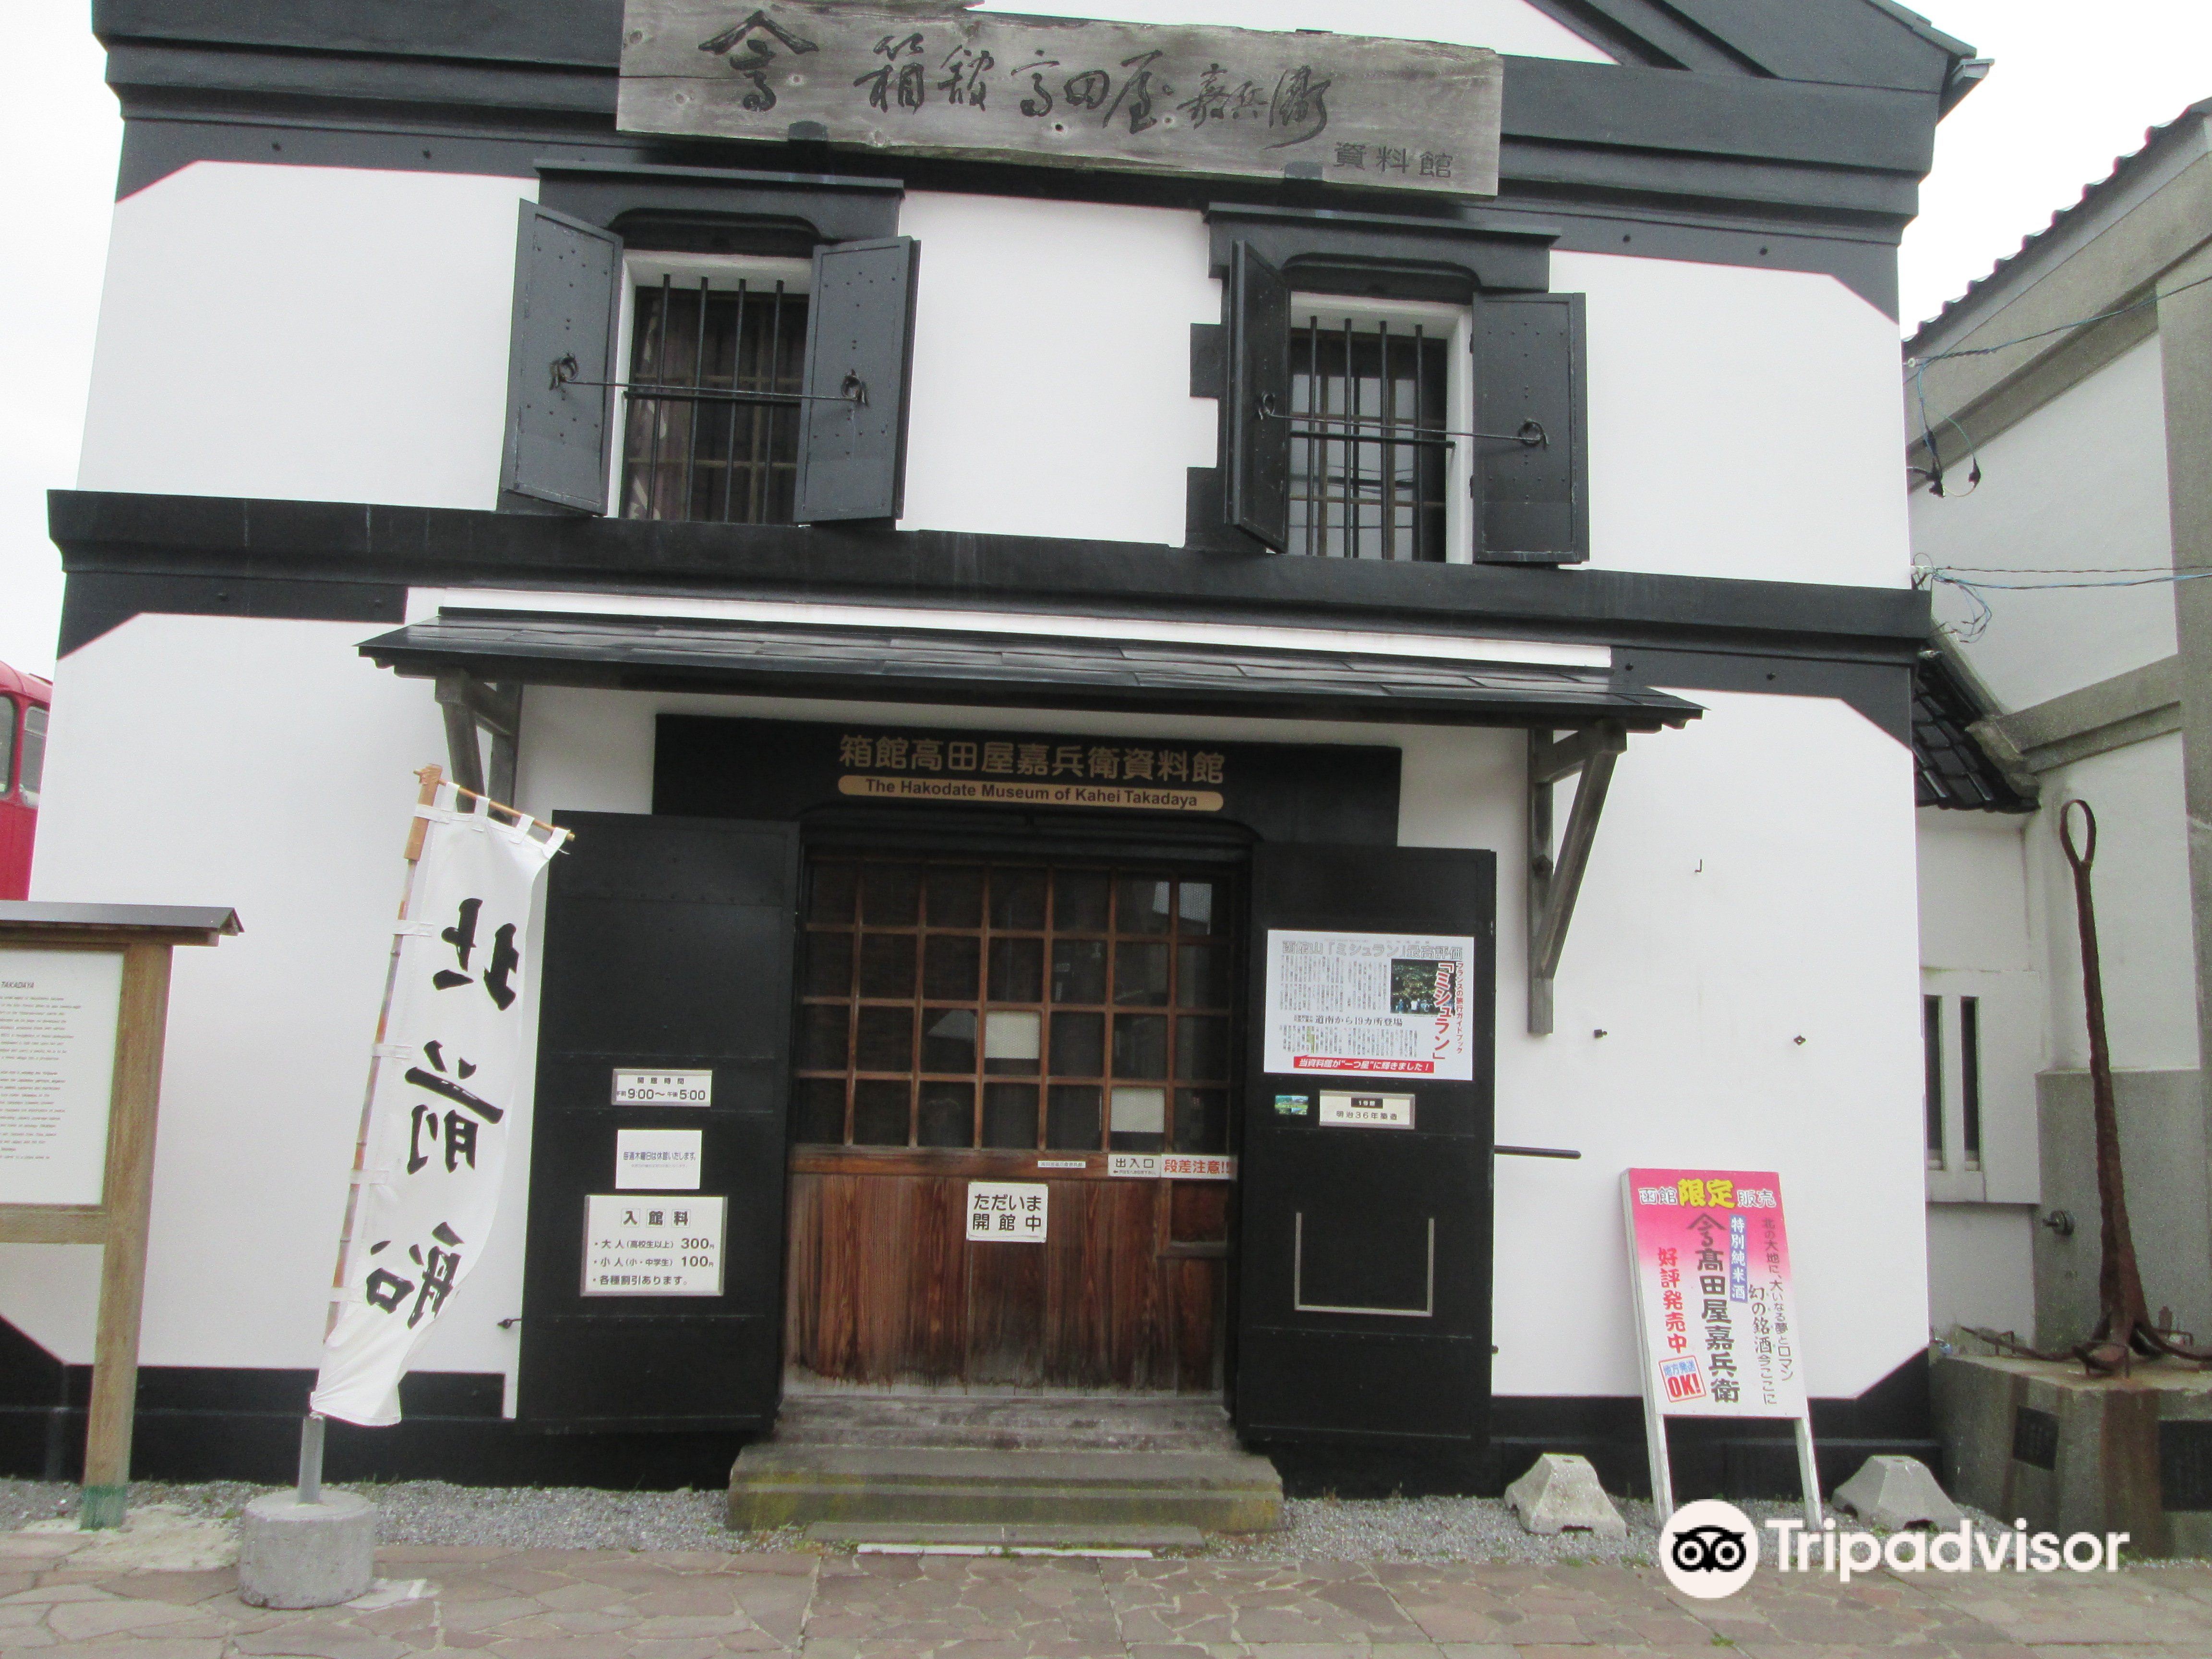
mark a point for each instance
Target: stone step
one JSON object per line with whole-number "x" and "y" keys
{"x": 777, "y": 1485}
{"x": 1006, "y": 1424}
{"x": 1101, "y": 1534}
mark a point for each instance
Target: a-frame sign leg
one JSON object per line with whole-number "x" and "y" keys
{"x": 1662, "y": 1472}
{"x": 1809, "y": 1472}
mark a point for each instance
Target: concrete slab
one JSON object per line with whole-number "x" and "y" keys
{"x": 1108, "y": 1533}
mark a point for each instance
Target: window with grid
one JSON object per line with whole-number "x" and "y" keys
{"x": 1017, "y": 1007}
{"x": 716, "y": 367}
{"x": 1370, "y": 463}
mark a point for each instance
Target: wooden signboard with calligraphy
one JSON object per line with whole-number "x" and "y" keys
{"x": 1415, "y": 115}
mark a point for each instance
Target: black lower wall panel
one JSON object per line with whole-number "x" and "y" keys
{"x": 263, "y": 1447}
{"x": 1710, "y": 1458}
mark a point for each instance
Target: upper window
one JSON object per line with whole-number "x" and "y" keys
{"x": 1377, "y": 392}
{"x": 723, "y": 387}
{"x": 712, "y": 403}
{"x": 1398, "y": 429}
{"x": 7, "y": 745}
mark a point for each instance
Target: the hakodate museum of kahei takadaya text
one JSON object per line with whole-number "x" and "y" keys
{"x": 1009, "y": 540}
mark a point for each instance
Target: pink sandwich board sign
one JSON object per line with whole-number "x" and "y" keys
{"x": 1716, "y": 1326}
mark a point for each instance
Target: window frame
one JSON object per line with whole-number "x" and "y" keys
{"x": 647, "y": 266}
{"x": 1459, "y": 396}
{"x": 30, "y": 796}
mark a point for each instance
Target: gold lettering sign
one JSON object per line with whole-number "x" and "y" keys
{"x": 1031, "y": 772}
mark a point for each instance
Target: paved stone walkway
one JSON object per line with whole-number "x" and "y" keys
{"x": 596, "y": 1604}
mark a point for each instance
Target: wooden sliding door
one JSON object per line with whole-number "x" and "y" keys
{"x": 1054, "y": 1025}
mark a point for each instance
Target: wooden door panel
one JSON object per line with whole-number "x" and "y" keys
{"x": 884, "y": 1288}
{"x": 1005, "y": 1315}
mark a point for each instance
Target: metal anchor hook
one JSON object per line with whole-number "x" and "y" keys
{"x": 562, "y": 369}
{"x": 853, "y": 390}
{"x": 2080, "y": 857}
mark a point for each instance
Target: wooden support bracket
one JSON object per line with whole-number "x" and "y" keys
{"x": 1555, "y": 877}
{"x": 471, "y": 704}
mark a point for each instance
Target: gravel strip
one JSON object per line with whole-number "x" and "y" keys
{"x": 1430, "y": 1530}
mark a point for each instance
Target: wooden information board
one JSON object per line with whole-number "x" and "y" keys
{"x": 84, "y": 1001}
{"x": 1415, "y": 115}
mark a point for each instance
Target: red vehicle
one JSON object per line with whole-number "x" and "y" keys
{"x": 23, "y": 702}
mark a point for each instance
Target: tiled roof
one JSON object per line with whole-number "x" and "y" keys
{"x": 1951, "y": 767}
{"x": 2124, "y": 168}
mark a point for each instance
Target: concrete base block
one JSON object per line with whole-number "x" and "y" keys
{"x": 292, "y": 1554}
{"x": 1896, "y": 1493}
{"x": 2038, "y": 1440}
{"x": 1561, "y": 1494}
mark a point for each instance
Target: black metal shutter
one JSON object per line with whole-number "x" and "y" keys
{"x": 1258, "y": 427}
{"x": 668, "y": 945}
{"x": 860, "y": 350}
{"x": 1531, "y": 501}
{"x": 1386, "y": 1219}
{"x": 567, "y": 276}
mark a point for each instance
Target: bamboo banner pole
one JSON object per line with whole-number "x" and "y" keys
{"x": 311, "y": 1430}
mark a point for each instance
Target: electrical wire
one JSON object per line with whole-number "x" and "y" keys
{"x": 1933, "y": 471}
{"x": 1972, "y": 586}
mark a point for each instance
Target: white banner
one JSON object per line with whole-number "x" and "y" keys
{"x": 443, "y": 1095}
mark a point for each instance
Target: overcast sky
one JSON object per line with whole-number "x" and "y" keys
{"x": 2075, "y": 86}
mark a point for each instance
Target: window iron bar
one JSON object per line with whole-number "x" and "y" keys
{"x": 852, "y": 390}
{"x": 1532, "y": 434}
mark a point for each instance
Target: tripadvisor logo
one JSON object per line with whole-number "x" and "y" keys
{"x": 1709, "y": 1549}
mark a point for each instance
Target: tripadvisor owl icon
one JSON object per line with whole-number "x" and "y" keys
{"x": 1708, "y": 1549}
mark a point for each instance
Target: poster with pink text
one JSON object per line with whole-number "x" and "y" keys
{"x": 1710, "y": 1257}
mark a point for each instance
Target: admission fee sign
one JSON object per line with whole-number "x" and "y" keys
{"x": 1716, "y": 1327}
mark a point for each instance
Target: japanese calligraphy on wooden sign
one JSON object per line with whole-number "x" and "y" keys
{"x": 1377, "y": 1004}
{"x": 58, "y": 1011}
{"x": 1029, "y": 770}
{"x": 1008, "y": 1211}
{"x": 445, "y": 1090}
{"x": 1712, "y": 1292}
{"x": 1416, "y": 115}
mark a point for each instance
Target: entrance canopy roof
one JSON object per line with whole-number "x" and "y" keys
{"x": 914, "y": 665}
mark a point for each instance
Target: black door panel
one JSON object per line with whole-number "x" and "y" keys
{"x": 668, "y": 947}
{"x": 1365, "y": 1251}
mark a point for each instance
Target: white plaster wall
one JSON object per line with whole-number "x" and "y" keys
{"x": 1711, "y": 934}
{"x": 1505, "y": 25}
{"x": 1974, "y": 891}
{"x": 306, "y": 334}
{"x": 264, "y": 765}
{"x": 1052, "y": 367}
{"x": 1979, "y": 1270}
{"x": 2080, "y": 485}
{"x": 1742, "y": 423}
{"x": 1981, "y": 935}
{"x": 2141, "y": 882}
{"x": 1715, "y": 928}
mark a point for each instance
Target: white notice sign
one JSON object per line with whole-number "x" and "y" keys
{"x": 1392, "y": 1004}
{"x": 1172, "y": 1166}
{"x": 663, "y": 1088}
{"x": 656, "y": 1160}
{"x": 1368, "y": 1111}
{"x": 1007, "y": 1212}
{"x": 58, "y": 1014}
{"x": 653, "y": 1247}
